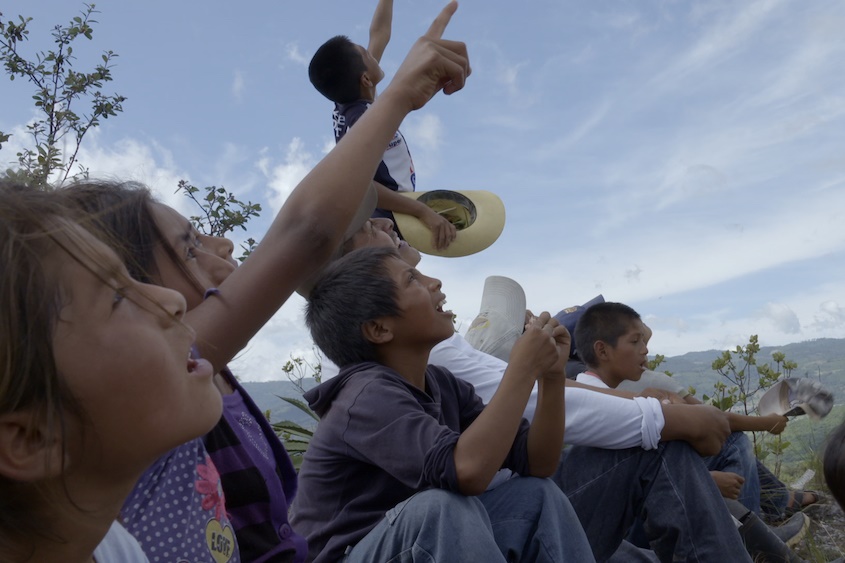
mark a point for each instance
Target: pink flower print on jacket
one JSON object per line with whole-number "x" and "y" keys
{"x": 210, "y": 488}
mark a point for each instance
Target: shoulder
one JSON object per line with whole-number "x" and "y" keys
{"x": 371, "y": 384}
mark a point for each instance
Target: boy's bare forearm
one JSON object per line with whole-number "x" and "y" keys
{"x": 380, "y": 28}
{"x": 545, "y": 438}
{"x": 745, "y": 423}
{"x": 484, "y": 445}
{"x": 393, "y": 201}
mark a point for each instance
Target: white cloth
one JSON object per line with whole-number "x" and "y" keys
{"x": 119, "y": 547}
{"x": 591, "y": 380}
{"x": 657, "y": 380}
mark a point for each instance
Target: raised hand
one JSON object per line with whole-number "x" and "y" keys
{"x": 563, "y": 341}
{"x": 536, "y": 351}
{"x": 432, "y": 64}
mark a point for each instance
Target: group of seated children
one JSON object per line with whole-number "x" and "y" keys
{"x": 638, "y": 430}
{"x": 125, "y": 438}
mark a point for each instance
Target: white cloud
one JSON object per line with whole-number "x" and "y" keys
{"x": 283, "y": 178}
{"x": 293, "y": 54}
{"x": 724, "y": 38}
{"x": 238, "y": 85}
{"x": 782, "y": 318}
{"x": 129, "y": 159}
{"x": 508, "y": 76}
{"x": 427, "y": 132}
{"x": 830, "y": 315}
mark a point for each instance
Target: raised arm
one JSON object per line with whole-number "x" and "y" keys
{"x": 380, "y": 28}
{"x": 545, "y": 438}
{"x": 312, "y": 221}
{"x": 484, "y": 445}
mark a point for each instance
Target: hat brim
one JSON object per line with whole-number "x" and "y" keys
{"x": 481, "y": 210}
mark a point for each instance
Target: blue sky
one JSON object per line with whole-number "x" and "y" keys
{"x": 686, "y": 158}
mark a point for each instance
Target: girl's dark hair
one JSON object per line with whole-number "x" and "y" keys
{"x": 351, "y": 291}
{"x": 605, "y": 322}
{"x": 33, "y": 231}
{"x": 122, "y": 211}
{"x": 833, "y": 464}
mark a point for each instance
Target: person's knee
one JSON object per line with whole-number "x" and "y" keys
{"x": 442, "y": 505}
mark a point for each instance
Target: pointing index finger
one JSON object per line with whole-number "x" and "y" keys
{"x": 438, "y": 26}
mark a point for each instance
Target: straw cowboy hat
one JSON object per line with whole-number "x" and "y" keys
{"x": 796, "y": 396}
{"x": 478, "y": 215}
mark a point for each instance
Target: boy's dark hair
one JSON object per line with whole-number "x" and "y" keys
{"x": 605, "y": 322}
{"x": 335, "y": 70}
{"x": 351, "y": 291}
{"x": 834, "y": 464}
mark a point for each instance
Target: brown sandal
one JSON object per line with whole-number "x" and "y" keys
{"x": 799, "y": 500}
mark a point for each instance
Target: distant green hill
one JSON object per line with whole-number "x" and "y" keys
{"x": 822, "y": 359}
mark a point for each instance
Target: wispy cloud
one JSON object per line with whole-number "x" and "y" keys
{"x": 731, "y": 31}
{"x": 283, "y": 178}
{"x": 293, "y": 54}
{"x": 238, "y": 85}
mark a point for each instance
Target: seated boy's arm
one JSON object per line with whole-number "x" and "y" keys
{"x": 380, "y": 29}
{"x": 545, "y": 437}
{"x": 484, "y": 445}
{"x": 312, "y": 222}
{"x": 706, "y": 428}
{"x": 442, "y": 231}
{"x": 773, "y": 423}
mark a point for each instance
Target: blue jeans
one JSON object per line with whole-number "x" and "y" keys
{"x": 685, "y": 516}
{"x": 737, "y": 456}
{"x": 523, "y": 519}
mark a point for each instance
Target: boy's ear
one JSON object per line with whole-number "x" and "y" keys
{"x": 378, "y": 331}
{"x": 28, "y": 452}
{"x": 601, "y": 349}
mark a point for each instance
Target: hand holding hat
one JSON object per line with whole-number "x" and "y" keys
{"x": 797, "y": 396}
{"x": 478, "y": 217}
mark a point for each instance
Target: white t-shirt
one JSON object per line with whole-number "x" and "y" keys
{"x": 592, "y": 419}
{"x": 119, "y": 547}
